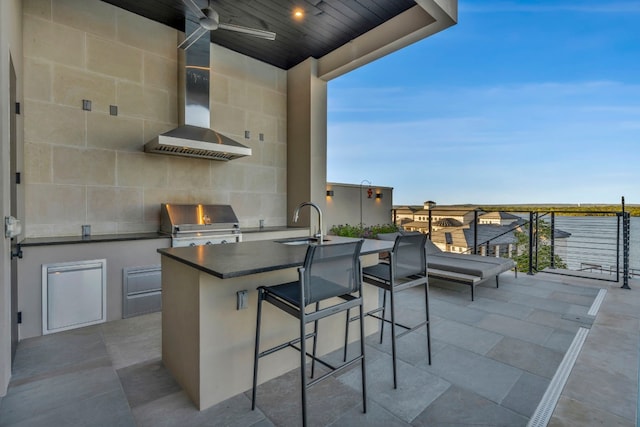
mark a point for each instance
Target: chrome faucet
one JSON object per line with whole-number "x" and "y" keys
{"x": 297, "y": 213}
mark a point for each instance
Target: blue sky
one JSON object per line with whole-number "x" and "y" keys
{"x": 520, "y": 102}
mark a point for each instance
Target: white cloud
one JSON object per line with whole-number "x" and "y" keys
{"x": 506, "y": 107}
{"x": 531, "y": 141}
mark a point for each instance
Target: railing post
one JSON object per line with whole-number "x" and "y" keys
{"x": 475, "y": 231}
{"x": 626, "y": 231}
{"x": 553, "y": 240}
{"x": 619, "y": 216}
{"x": 626, "y": 228}
{"x": 536, "y": 241}
{"x": 530, "y": 272}
{"x": 429, "y": 222}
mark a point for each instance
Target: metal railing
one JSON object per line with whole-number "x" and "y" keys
{"x": 566, "y": 242}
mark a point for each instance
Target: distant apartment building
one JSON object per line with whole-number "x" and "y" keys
{"x": 416, "y": 218}
{"x": 492, "y": 240}
{"x": 403, "y": 214}
{"x": 498, "y": 218}
{"x": 452, "y": 227}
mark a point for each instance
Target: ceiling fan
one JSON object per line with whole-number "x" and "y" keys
{"x": 210, "y": 20}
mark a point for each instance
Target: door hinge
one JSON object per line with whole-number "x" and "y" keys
{"x": 19, "y": 317}
{"x": 17, "y": 177}
{"x": 17, "y": 108}
{"x": 17, "y": 253}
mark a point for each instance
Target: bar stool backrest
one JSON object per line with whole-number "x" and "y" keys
{"x": 330, "y": 271}
{"x": 409, "y": 255}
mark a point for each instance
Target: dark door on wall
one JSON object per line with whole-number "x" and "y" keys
{"x": 14, "y": 209}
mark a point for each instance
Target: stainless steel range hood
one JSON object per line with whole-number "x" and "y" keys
{"x": 195, "y": 138}
{"x": 194, "y": 141}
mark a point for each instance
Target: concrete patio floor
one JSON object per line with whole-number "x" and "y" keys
{"x": 493, "y": 360}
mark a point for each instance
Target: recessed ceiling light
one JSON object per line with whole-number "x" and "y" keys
{"x": 298, "y": 13}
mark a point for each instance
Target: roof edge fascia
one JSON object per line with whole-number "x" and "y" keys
{"x": 428, "y": 17}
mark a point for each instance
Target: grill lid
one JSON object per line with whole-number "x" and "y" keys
{"x": 189, "y": 218}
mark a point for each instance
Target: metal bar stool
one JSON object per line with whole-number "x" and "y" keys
{"x": 329, "y": 271}
{"x": 406, "y": 268}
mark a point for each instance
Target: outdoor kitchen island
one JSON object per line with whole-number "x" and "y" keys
{"x": 207, "y": 342}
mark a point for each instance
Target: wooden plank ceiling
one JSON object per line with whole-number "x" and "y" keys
{"x": 327, "y": 24}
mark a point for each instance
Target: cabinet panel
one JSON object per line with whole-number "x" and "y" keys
{"x": 141, "y": 290}
{"x": 73, "y": 295}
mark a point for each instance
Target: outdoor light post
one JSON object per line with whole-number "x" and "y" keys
{"x": 430, "y": 204}
{"x": 362, "y": 182}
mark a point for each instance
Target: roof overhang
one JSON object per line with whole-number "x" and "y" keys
{"x": 428, "y": 17}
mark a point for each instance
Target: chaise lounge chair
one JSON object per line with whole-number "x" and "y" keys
{"x": 461, "y": 268}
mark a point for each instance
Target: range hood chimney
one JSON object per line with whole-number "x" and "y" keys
{"x": 195, "y": 138}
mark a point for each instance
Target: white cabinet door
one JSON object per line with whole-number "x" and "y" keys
{"x": 73, "y": 295}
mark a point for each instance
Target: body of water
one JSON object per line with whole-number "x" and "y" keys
{"x": 593, "y": 242}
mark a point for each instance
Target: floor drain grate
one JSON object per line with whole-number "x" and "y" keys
{"x": 543, "y": 412}
{"x": 596, "y": 302}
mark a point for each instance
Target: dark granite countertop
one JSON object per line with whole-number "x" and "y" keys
{"x": 96, "y": 238}
{"x": 241, "y": 259}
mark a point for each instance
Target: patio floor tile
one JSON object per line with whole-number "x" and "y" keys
{"x": 376, "y": 416}
{"x": 48, "y": 395}
{"x": 605, "y": 390}
{"x": 523, "y": 398}
{"x": 510, "y": 308}
{"x": 542, "y": 303}
{"x": 468, "y": 337}
{"x": 146, "y": 382}
{"x": 103, "y": 410}
{"x": 43, "y": 355}
{"x": 279, "y": 399}
{"x": 460, "y": 407}
{"x": 457, "y": 313}
{"x": 516, "y": 328}
{"x": 529, "y": 357}
{"x": 486, "y": 377}
{"x": 573, "y": 413}
{"x": 416, "y": 388}
{"x": 548, "y": 318}
{"x": 177, "y": 410}
{"x": 560, "y": 340}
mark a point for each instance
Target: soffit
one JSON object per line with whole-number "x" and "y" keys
{"x": 327, "y": 26}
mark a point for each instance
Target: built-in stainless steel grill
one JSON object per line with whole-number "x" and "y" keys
{"x": 194, "y": 225}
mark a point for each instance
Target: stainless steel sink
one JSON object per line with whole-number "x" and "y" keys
{"x": 301, "y": 241}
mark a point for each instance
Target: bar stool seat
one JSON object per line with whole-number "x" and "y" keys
{"x": 329, "y": 271}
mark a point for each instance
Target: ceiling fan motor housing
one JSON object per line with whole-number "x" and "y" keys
{"x": 211, "y": 19}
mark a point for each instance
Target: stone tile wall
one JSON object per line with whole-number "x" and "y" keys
{"x": 89, "y": 167}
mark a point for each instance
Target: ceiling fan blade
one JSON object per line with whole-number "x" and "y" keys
{"x": 194, "y": 8}
{"x": 193, "y": 37}
{"x": 268, "y": 35}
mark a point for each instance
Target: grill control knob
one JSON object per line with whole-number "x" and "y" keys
{"x": 192, "y": 244}
{"x": 224, "y": 241}
{"x": 209, "y": 243}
